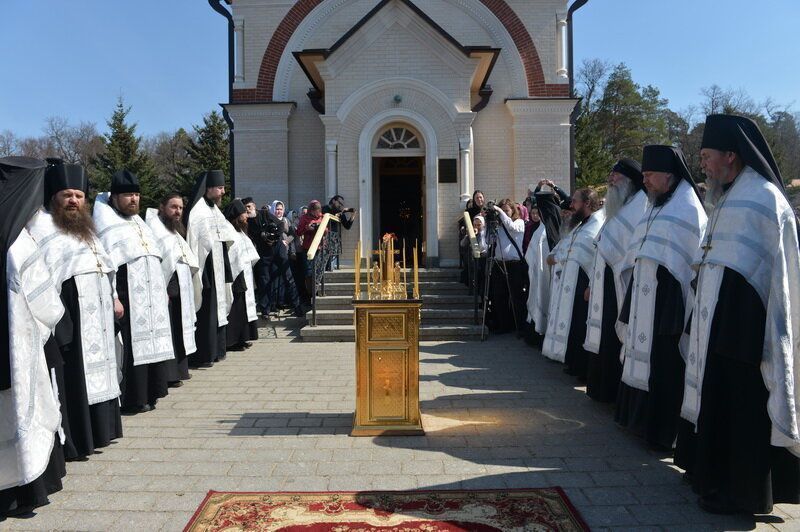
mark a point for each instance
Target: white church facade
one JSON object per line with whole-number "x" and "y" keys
{"x": 403, "y": 107}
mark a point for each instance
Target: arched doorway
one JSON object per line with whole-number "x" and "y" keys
{"x": 398, "y": 161}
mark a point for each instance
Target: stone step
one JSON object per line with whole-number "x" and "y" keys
{"x": 433, "y": 274}
{"x": 345, "y": 302}
{"x": 425, "y": 287}
{"x": 430, "y": 316}
{"x": 346, "y": 333}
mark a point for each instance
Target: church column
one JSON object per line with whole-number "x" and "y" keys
{"x": 541, "y": 129}
{"x": 465, "y": 154}
{"x": 238, "y": 31}
{"x": 561, "y": 44}
{"x": 331, "y": 183}
{"x": 261, "y": 155}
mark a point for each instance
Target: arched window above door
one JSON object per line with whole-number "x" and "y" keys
{"x": 398, "y": 138}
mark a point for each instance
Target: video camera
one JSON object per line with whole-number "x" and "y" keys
{"x": 491, "y": 215}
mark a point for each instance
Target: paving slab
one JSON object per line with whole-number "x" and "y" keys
{"x": 277, "y": 417}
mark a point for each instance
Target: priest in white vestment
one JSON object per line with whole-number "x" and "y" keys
{"x": 243, "y": 316}
{"x": 145, "y": 326}
{"x": 542, "y": 243}
{"x": 742, "y": 368}
{"x": 566, "y": 324}
{"x": 182, "y": 277}
{"x": 31, "y": 456}
{"x": 624, "y": 206}
{"x": 210, "y": 236}
{"x": 654, "y": 309}
{"x": 83, "y": 273}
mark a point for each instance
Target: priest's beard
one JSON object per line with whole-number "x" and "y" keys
{"x": 616, "y": 196}
{"x": 568, "y": 225}
{"x": 714, "y": 192}
{"x": 76, "y": 221}
{"x": 174, "y": 225}
{"x": 240, "y": 225}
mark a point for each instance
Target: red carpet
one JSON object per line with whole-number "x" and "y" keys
{"x": 542, "y": 509}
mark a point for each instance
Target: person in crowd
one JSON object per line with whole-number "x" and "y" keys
{"x": 532, "y": 221}
{"x": 654, "y": 308}
{"x": 562, "y": 194}
{"x": 475, "y": 268}
{"x": 625, "y": 204}
{"x": 146, "y": 332}
{"x": 566, "y": 327}
{"x": 346, "y": 216}
{"x": 250, "y": 205}
{"x": 508, "y": 279}
{"x": 243, "y": 317}
{"x": 83, "y": 343}
{"x": 209, "y": 236}
{"x": 31, "y": 458}
{"x": 542, "y": 244}
{"x": 282, "y": 289}
{"x": 182, "y": 276}
{"x": 743, "y": 347}
{"x": 474, "y": 208}
{"x": 306, "y": 229}
{"x": 296, "y": 263}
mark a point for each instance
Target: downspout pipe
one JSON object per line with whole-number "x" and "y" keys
{"x": 217, "y": 6}
{"x": 576, "y": 5}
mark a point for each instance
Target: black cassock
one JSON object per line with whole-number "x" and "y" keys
{"x": 605, "y": 369}
{"x": 731, "y": 453}
{"x": 144, "y": 384}
{"x": 655, "y": 414}
{"x": 209, "y": 336}
{"x": 34, "y": 494}
{"x": 576, "y": 357}
{"x": 239, "y": 329}
{"x": 177, "y": 369}
{"x": 86, "y": 427}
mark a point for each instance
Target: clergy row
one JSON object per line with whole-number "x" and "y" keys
{"x": 685, "y": 311}
{"x": 106, "y": 310}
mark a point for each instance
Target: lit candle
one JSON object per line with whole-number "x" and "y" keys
{"x": 357, "y": 290}
{"x": 405, "y": 271}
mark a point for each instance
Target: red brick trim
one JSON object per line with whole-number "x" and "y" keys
{"x": 301, "y": 9}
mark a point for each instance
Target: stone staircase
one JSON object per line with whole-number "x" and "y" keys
{"x": 447, "y": 308}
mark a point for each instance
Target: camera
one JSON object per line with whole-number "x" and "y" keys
{"x": 491, "y": 215}
{"x": 270, "y": 232}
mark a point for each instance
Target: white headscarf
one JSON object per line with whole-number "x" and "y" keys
{"x": 274, "y": 205}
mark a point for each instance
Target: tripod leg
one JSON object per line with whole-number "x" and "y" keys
{"x": 487, "y": 278}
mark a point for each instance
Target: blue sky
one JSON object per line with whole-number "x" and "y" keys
{"x": 168, "y": 59}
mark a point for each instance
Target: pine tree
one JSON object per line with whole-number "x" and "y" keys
{"x": 209, "y": 151}
{"x": 123, "y": 151}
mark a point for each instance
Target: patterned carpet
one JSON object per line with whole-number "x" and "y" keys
{"x": 544, "y": 509}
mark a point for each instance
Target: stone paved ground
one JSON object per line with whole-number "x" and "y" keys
{"x": 498, "y": 415}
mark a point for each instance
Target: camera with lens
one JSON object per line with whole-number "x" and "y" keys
{"x": 491, "y": 215}
{"x": 270, "y": 232}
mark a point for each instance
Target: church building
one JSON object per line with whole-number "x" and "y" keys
{"x": 404, "y": 107}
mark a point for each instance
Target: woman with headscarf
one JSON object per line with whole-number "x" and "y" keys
{"x": 282, "y": 289}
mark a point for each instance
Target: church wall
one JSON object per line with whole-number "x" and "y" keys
{"x": 261, "y": 19}
{"x": 539, "y": 17}
{"x": 506, "y": 157}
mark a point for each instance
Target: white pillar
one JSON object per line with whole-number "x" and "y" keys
{"x": 238, "y": 37}
{"x": 561, "y": 45}
{"x": 466, "y": 175}
{"x": 331, "y": 183}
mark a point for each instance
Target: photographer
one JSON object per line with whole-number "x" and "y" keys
{"x": 269, "y": 234}
{"x": 306, "y": 228}
{"x": 346, "y": 216}
{"x": 507, "y": 286}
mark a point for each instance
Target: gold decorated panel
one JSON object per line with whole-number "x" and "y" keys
{"x": 386, "y": 326}
{"x": 388, "y": 385}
